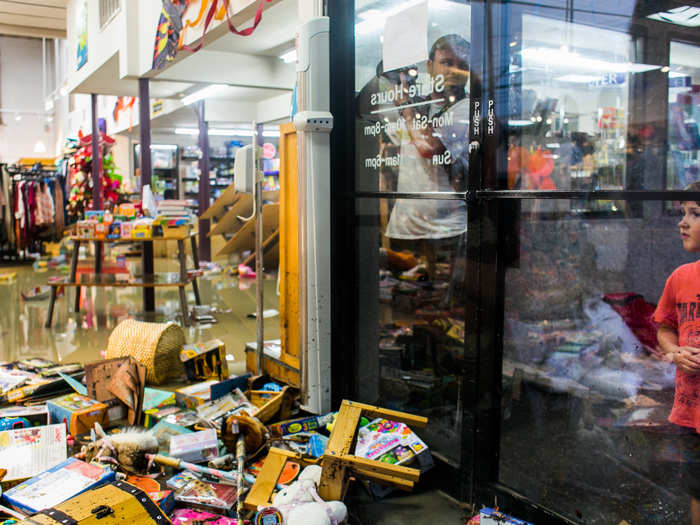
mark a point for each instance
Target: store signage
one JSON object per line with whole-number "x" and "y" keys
{"x": 269, "y": 150}
{"x": 156, "y": 107}
{"x": 610, "y": 79}
{"x": 676, "y": 82}
{"x": 476, "y": 118}
{"x": 491, "y": 118}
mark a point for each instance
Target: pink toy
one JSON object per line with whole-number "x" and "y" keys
{"x": 189, "y": 517}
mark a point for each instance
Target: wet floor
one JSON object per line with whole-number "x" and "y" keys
{"x": 80, "y": 337}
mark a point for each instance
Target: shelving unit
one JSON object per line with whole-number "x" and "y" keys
{"x": 98, "y": 279}
{"x": 220, "y": 176}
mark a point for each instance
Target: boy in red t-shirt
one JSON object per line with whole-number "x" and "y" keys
{"x": 678, "y": 315}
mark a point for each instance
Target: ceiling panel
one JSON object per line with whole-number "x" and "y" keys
{"x": 33, "y": 18}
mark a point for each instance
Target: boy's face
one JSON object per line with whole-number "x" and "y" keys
{"x": 690, "y": 226}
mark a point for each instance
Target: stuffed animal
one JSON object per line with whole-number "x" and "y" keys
{"x": 300, "y": 504}
{"x": 126, "y": 449}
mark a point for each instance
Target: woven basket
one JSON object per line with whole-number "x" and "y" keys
{"x": 155, "y": 345}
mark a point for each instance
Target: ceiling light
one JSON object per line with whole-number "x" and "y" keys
{"x": 665, "y": 69}
{"x": 289, "y": 56}
{"x": 186, "y": 131}
{"x": 683, "y": 16}
{"x": 271, "y": 133}
{"x": 203, "y": 93}
{"x": 519, "y": 123}
{"x": 63, "y": 91}
{"x": 579, "y": 79}
{"x": 676, "y": 74}
{"x": 18, "y": 117}
{"x": 164, "y": 147}
{"x": 558, "y": 57}
{"x": 48, "y": 104}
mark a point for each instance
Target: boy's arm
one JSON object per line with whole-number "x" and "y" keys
{"x": 686, "y": 358}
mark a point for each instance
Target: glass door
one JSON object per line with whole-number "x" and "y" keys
{"x": 577, "y": 412}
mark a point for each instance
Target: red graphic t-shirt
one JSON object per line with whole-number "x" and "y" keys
{"x": 679, "y": 307}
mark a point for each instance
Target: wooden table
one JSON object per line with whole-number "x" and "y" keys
{"x": 146, "y": 282}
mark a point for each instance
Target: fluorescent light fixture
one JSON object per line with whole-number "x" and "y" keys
{"x": 519, "y": 123}
{"x": 39, "y": 147}
{"x": 289, "y": 56}
{"x": 226, "y": 132}
{"x": 676, "y": 74}
{"x": 569, "y": 59}
{"x": 578, "y": 79}
{"x": 203, "y": 93}
{"x": 164, "y": 147}
{"x": 682, "y": 16}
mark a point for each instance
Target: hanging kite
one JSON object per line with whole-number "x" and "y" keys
{"x": 168, "y": 32}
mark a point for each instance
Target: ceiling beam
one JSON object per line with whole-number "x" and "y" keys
{"x": 18, "y": 8}
{"x": 32, "y": 21}
{"x": 33, "y": 32}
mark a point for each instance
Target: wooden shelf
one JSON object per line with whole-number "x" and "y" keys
{"x": 106, "y": 279}
{"x": 120, "y": 240}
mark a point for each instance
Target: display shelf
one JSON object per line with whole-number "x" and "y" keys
{"x": 120, "y": 240}
{"x": 118, "y": 280}
{"x": 215, "y": 159}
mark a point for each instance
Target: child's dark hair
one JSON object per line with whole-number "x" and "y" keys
{"x": 693, "y": 186}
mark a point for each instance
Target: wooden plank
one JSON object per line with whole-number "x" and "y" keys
{"x": 372, "y": 412}
{"x": 399, "y": 483}
{"x": 227, "y": 198}
{"x": 289, "y": 245}
{"x": 31, "y": 21}
{"x": 244, "y": 239}
{"x": 229, "y": 222}
{"x": 370, "y": 467}
{"x": 267, "y": 478}
{"x": 344, "y": 430}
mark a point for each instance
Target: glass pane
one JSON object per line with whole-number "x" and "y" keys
{"x": 589, "y": 98}
{"x": 411, "y": 322}
{"x": 683, "y": 115}
{"x": 586, "y": 391}
{"x": 412, "y": 81}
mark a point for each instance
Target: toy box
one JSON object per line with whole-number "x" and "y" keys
{"x": 193, "y": 395}
{"x": 126, "y": 230}
{"x": 101, "y": 230}
{"x": 142, "y": 229}
{"x": 392, "y": 442}
{"x": 79, "y": 413}
{"x": 95, "y": 215}
{"x": 85, "y": 229}
{"x": 163, "y": 431}
{"x": 115, "y": 230}
{"x": 490, "y": 516}
{"x": 305, "y": 424}
{"x": 117, "y": 502}
{"x": 193, "y": 492}
{"x": 55, "y": 485}
{"x": 155, "y": 398}
{"x": 127, "y": 210}
{"x": 205, "y": 360}
{"x": 23, "y": 417}
{"x": 25, "y": 452}
{"x": 195, "y": 447}
{"x": 194, "y": 517}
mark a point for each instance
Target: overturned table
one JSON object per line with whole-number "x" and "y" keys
{"x": 146, "y": 282}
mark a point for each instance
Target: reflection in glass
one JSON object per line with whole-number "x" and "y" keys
{"x": 569, "y": 103}
{"x": 411, "y": 324}
{"x": 683, "y": 115}
{"x": 586, "y": 391}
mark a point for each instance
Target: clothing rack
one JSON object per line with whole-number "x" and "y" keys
{"x": 30, "y": 212}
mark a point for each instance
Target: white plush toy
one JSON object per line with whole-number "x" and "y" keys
{"x": 300, "y": 504}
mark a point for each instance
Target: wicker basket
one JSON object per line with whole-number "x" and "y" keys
{"x": 155, "y": 345}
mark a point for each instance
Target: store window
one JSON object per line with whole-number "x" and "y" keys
{"x": 507, "y": 277}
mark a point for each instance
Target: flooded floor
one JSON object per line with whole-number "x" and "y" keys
{"x": 81, "y": 337}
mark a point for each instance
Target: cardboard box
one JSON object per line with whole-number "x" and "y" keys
{"x": 392, "y": 442}
{"x": 195, "y": 447}
{"x": 163, "y": 431}
{"x": 31, "y": 416}
{"x": 126, "y": 230}
{"x": 195, "y": 493}
{"x": 193, "y": 395}
{"x": 79, "y": 413}
{"x": 85, "y": 229}
{"x": 101, "y": 230}
{"x": 26, "y": 452}
{"x": 55, "y": 485}
{"x": 206, "y": 360}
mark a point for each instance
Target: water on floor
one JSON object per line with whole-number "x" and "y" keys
{"x": 80, "y": 337}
